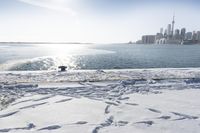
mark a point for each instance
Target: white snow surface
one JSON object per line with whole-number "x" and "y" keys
{"x": 102, "y": 101}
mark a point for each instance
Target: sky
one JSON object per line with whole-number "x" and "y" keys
{"x": 95, "y": 21}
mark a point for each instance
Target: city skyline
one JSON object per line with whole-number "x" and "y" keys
{"x": 98, "y": 21}
{"x": 172, "y": 35}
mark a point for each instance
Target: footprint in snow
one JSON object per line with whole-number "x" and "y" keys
{"x": 164, "y": 117}
{"x": 33, "y": 106}
{"x": 8, "y": 114}
{"x": 54, "y": 127}
{"x": 132, "y": 104}
{"x": 29, "y": 127}
{"x": 154, "y": 110}
{"x": 43, "y": 98}
{"x": 148, "y": 123}
{"x": 64, "y": 100}
{"x": 179, "y": 119}
{"x": 22, "y": 102}
{"x": 122, "y": 123}
{"x": 107, "y": 123}
{"x": 123, "y": 98}
{"x": 107, "y": 111}
{"x": 184, "y": 116}
{"x": 81, "y": 122}
{"x": 112, "y": 103}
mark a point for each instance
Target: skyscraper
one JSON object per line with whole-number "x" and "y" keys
{"x": 177, "y": 34}
{"x": 194, "y": 36}
{"x": 169, "y": 29}
{"x": 183, "y": 31}
{"x": 148, "y": 39}
{"x": 161, "y": 30}
{"x": 165, "y": 33}
{"x": 198, "y": 36}
{"x": 173, "y": 22}
{"x": 188, "y": 36}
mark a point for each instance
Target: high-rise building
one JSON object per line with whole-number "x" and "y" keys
{"x": 148, "y": 39}
{"x": 194, "y": 36}
{"x": 165, "y": 33}
{"x": 183, "y": 31}
{"x": 170, "y": 35}
{"x": 198, "y": 36}
{"x": 177, "y": 34}
{"x": 159, "y": 36}
{"x": 169, "y": 29}
{"x": 188, "y": 36}
{"x": 161, "y": 31}
{"x": 173, "y": 22}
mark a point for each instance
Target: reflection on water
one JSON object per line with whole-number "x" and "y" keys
{"x": 71, "y": 49}
{"x": 63, "y": 50}
{"x": 45, "y": 56}
{"x": 111, "y": 56}
{"x": 42, "y": 63}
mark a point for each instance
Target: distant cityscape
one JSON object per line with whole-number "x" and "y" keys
{"x": 171, "y": 36}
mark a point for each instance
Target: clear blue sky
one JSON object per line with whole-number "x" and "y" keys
{"x": 92, "y": 20}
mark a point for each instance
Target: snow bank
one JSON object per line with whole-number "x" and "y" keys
{"x": 99, "y": 75}
{"x": 152, "y": 100}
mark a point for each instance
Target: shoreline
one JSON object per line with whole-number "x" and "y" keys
{"x": 98, "y": 75}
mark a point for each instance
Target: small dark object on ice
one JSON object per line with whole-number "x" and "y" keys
{"x": 100, "y": 71}
{"x": 62, "y": 68}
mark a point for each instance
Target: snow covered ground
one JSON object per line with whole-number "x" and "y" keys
{"x": 113, "y": 101}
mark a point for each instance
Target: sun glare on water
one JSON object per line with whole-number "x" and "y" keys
{"x": 64, "y": 49}
{"x": 59, "y": 54}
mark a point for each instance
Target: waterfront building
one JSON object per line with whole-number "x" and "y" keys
{"x": 165, "y": 33}
{"x": 183, "y": 31}
{"x": 139, "y": 42}
{"x": 159, "y": 36}
{"x": 173, "y": 22}
{"x": 177, "y": 34}
{"x": 169, "y": 29}
{"x": 171, "y": 36}
{"x": 148, "y": 39}
{"x": 194, "y": 36}
{"x": 161, "y": 31}
{"x": 198, "y": 36}
{"x": 161, "y": 41}
{"x": 188, "y": 36}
